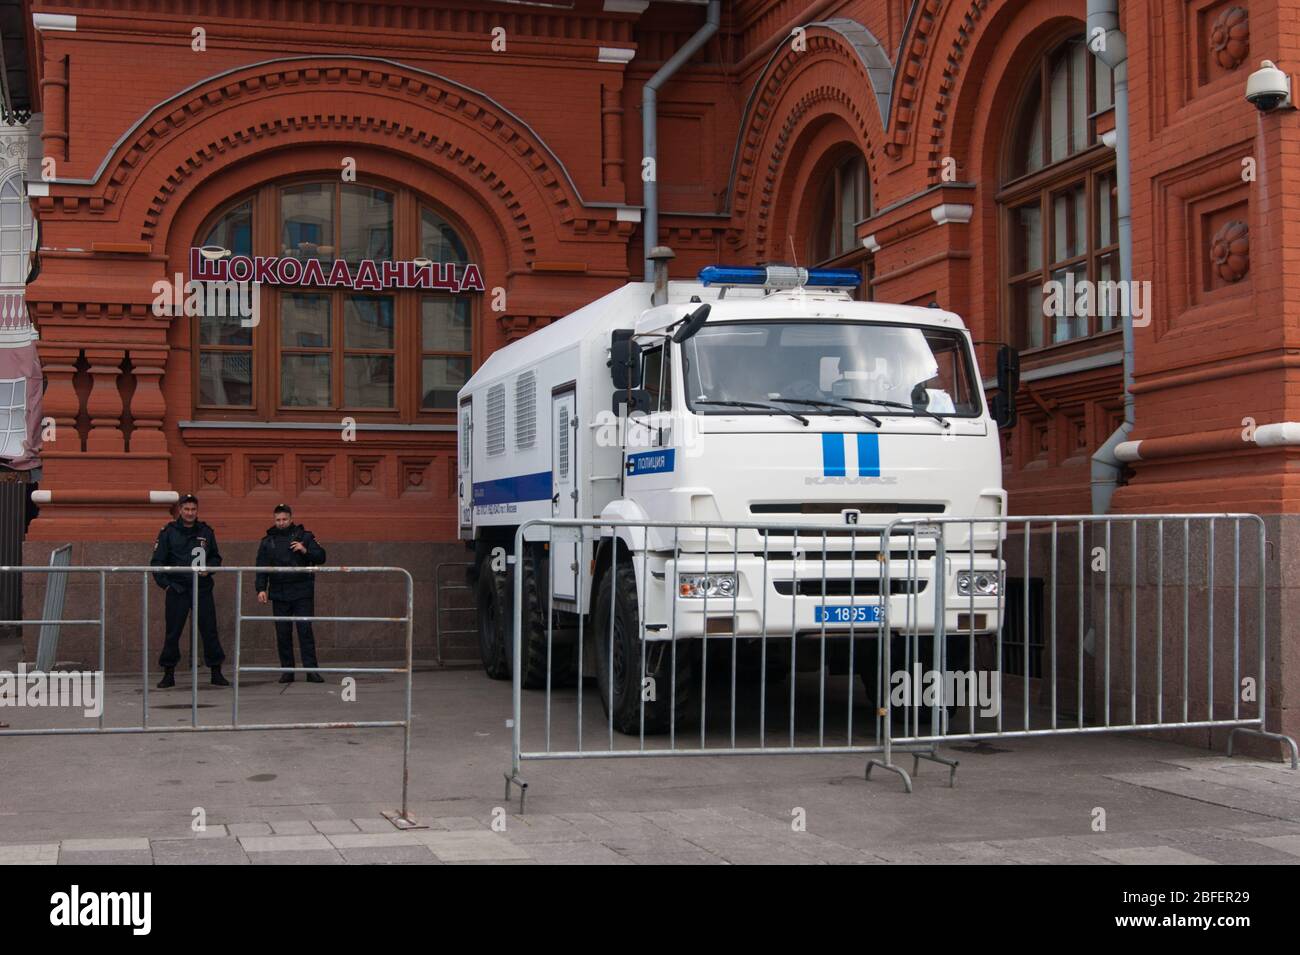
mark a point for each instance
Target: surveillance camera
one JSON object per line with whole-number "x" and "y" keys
{"x": 1268, "y": 88}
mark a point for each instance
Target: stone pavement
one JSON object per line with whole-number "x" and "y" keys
{"x": 317, "y": 796}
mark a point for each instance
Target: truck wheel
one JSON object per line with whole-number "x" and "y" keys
{"x": 493, "y": 599}
{"x": 620, "y": 589}
{"x": 564, "y": 653}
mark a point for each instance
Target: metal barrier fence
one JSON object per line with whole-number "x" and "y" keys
{"x": 1147, "y": 584}
{"x": 401, "y": 819}
{"x": 439, "y": 610}
{"x": 765, "y": 602}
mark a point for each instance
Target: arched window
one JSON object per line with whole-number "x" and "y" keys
{"x": 15, "y": 232}
{"x": 1058, "y": 200}
{"x": 843, "y": 202}
{"x": 396, "y": 354}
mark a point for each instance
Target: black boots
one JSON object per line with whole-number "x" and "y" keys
{"x": 169, "y": 678}
{"x": 315, "y": 678}
{"x": 286, "y": 677}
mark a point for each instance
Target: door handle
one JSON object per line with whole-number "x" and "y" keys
{"x": 556, "y": 498}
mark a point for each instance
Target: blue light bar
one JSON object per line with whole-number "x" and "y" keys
{"x": 779, "y": 277}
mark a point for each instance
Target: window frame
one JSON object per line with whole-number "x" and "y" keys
{"x": 1085, "y": 166}
{"x": 266, "y": 344}
{"x": 855, "y": 257}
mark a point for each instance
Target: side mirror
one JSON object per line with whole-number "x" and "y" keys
{"x": 694, "y": 322}
{"x": 636, "y": 400}
{"x": 1004, "y": 404}
{"x": 624, "y": 359}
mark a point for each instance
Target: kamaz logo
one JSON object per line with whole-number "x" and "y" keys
{"x": 849, "y": 480}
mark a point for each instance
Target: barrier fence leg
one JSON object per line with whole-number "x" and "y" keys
{"x": 517, "y": 675}
{"x": 939, "y": 656}
{"x": 194, "y": 649}
{"x": 885, "y": 653}
{"x": 1261, "y": 649}
{"x": 402, "y": 819}
{"x": 144, "y": 650}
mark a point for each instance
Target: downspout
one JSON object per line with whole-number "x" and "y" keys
{"x": 650, "y": 122}
{"x": 1108, "y": 44}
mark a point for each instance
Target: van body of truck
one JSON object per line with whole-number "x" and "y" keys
{"x": 735, "y": 402}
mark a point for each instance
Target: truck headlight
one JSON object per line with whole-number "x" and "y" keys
{"x": 706, "y": 585}
{"x": 978, "y": 583}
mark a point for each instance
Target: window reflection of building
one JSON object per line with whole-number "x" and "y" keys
{"x": 337, "y": 349}
{"x": 15, "y": 231}
{"x": 1058, "y": 201}
{"x": 844, "y": 201}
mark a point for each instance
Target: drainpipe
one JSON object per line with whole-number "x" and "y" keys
{"x": 1103, "y": 15}
{"x": 650, "y": 122}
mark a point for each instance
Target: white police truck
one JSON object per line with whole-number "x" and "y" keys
{"x": 765, "y": 397}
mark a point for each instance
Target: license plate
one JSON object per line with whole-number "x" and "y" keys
{"x": 858, "y": 614}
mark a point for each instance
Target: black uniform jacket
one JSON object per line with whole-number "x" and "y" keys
{"x": 274, "y": 552}
{"x": 175, "y": 548}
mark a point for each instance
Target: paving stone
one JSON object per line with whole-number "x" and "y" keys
{"x": 218, "y": 831}
{"x": 698, "y": 857}
{"x": 105, "y": 845}
{"x": 308, "y": 857}
{"x": 458, "y": 823}
{"x": 393, "y": 855}
{"x": 379, "y": 824}
{"x": 42, "y": 853}
{"x": 576, "y": 853}
{"x": 253, "y": 844}
{"x": 105, "y": 857}
{"x": 198, "y": 852}
{"x": 293, "y": 827}
{"x": 471, "y": 846}
{"x": 373, "y": 840}
{"x": 1288, "y": 844}
{"x": 1152, "y": 855}
{"x": 330, "y": 827}
{"x": 241, "y": 829}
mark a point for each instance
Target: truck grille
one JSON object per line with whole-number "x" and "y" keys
{"x": 863, "y": 587}
{"x": 835, "y": 507}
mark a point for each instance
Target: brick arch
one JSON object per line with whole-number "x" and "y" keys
{"x": 318, "y": 101}
{"x": 820, "y": 136}
{"x": 1000, "y": 51}
{"x": 807, "y": 94}
{"x": 972, "y": 66}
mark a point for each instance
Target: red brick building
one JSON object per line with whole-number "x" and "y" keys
{"x": 959, "y": 151}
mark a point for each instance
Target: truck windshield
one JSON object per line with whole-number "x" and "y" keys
{"x": 879, "y": 368}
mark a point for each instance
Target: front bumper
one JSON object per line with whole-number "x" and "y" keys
{"x": 783, "y": 597}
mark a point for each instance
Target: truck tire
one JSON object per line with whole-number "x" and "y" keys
{"x": 620, "y": 589}
{"x": 493, "y": 600}
{"x": 564, "y": 653}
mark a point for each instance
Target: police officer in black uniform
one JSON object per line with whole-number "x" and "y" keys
{"x": 287, "y": 544}
{"x": 180, "y": 544}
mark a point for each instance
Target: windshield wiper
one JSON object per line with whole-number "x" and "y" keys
{"x": 813, "y": 403}
{"x": 753, "y": 404}
{"x": 898, "y": 404}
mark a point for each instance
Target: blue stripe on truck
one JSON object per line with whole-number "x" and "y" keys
{"x": 525, "y": 487}
{"x": 833, "y": 455}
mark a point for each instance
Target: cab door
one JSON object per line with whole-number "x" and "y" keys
{"x": 564, "y": 492}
